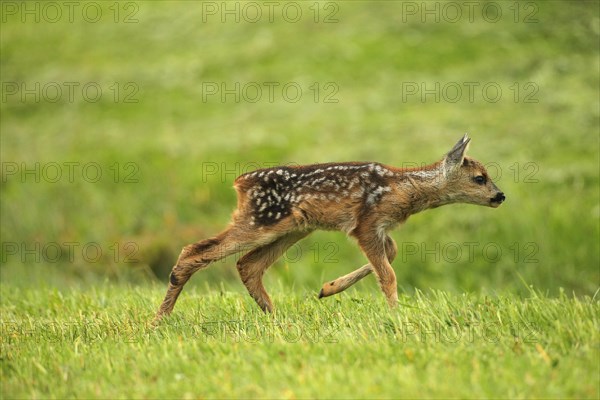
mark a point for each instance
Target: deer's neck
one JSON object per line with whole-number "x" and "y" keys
{"x": 424, "y": 188}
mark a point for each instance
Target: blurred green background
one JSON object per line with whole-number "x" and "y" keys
{"x": 162, "y": 99}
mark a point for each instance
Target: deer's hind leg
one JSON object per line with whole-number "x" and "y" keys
{"x": 194, "y": 257}
{"x": 253, "y": 265}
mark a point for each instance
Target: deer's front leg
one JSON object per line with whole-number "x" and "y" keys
{"x": 373, "y": 245}
{"x": 342, "y": 283}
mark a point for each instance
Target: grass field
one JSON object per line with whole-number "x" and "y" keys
{"x": 123, "y": 126}
{"x": 97, "y": 344}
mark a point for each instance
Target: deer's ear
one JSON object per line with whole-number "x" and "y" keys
{"x": 455, "y": 157}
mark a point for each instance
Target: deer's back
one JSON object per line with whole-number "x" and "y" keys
{"x": 272, "y": 194}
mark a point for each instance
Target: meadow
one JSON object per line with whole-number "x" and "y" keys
{"x": 124, "y": 125}
{"x": 98, "y": 343}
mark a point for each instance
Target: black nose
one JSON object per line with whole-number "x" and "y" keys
{"x": 499, "y": 197}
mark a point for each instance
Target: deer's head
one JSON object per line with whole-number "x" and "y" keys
{"x": 466, "y": 179}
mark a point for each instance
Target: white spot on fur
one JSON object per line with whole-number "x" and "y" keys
{"x": 277, "y": 197}
{"x": 427, "y": 174}
{"x": 373, "y": 196}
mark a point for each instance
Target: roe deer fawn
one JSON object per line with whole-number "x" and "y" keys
{"x": 279, "y": 206}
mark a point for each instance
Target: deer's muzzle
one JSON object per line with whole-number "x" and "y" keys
{"x": 498, "y": 199}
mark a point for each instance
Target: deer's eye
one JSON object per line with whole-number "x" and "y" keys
{"x": 480, "y": 180}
